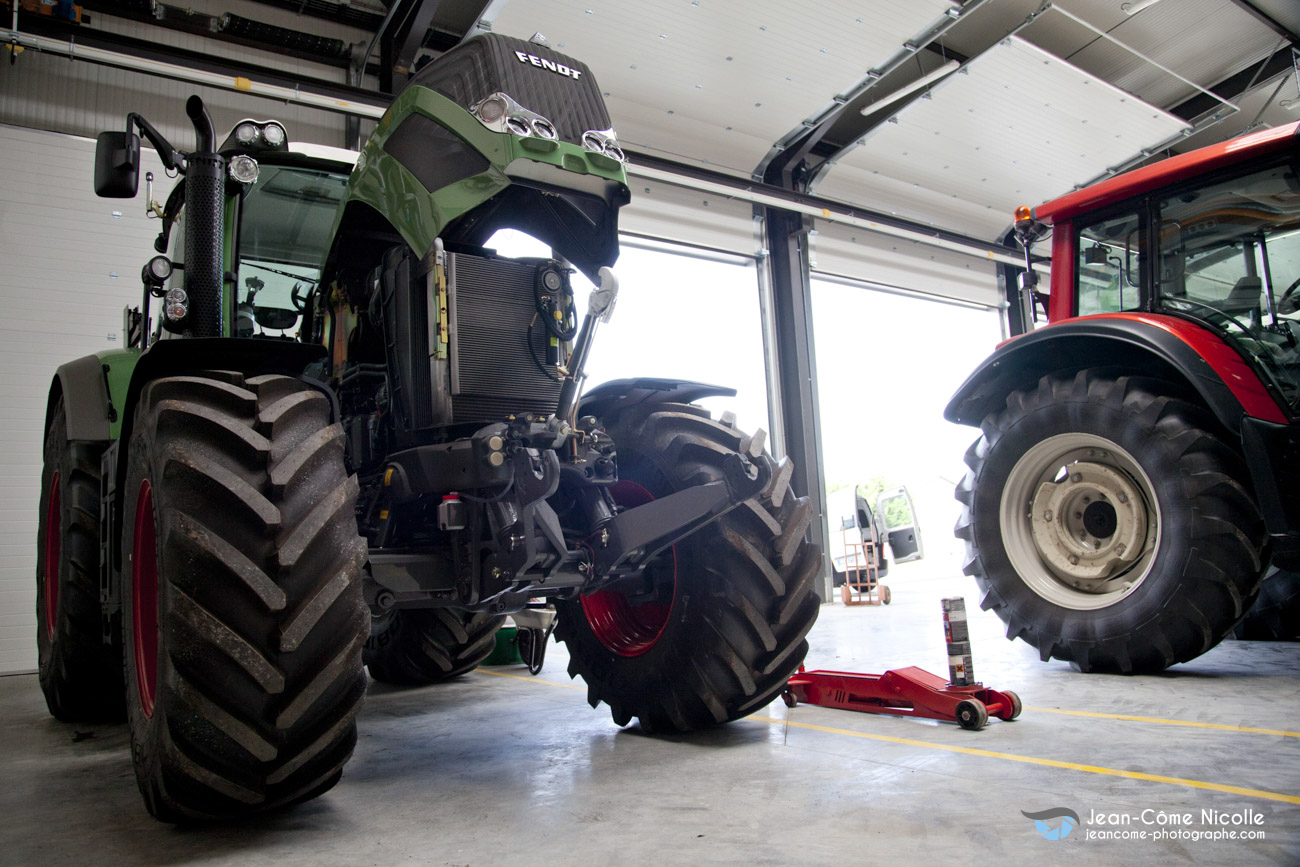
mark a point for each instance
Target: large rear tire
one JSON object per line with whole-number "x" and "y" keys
{"x": 1106, "y": 524}
{"x": 416, "y": 646}
{"x": 80, "y": 675}
{"x": 732, "y": 604}
{"x": 243, "y": 617}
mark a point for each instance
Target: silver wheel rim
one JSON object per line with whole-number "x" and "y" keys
{"x": 1080, "y": 521}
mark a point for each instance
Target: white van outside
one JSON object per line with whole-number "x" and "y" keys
{"x": 852, "y": 521}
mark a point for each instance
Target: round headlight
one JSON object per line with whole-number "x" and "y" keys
{"x": 274, "y": 134}
{"x": 593, "y": 142}
{"x": 245, "y": 133}
{"x": 492, "y": 109}
{"x": 157, "y": 269}
{"x": 518, "y": 126}
{"x": 177, "y": 296}
{"x": 544, "y": 129}
{"x": 243, "y": 168}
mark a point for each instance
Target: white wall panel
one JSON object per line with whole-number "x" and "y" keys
{"x": 674, "y": 213}
{"x": 908, "y": 265}
{"x": 71, "y": 263}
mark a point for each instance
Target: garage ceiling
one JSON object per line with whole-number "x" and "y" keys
{"x": 695, "y": 80}
{"x": 1047, "y": 97}
{"x": 1016, "y": 126}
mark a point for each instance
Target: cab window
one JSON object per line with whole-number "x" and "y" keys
{"x": 1108, "y": 271}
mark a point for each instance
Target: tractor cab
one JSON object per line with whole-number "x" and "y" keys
{"x": 281, "y": 202}
{"x": 1210, "y": 237}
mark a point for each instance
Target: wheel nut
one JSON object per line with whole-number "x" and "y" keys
{"x": 1123, "y": 498}
{"x": 1076, "y": 478}
{"x": 1120, "y": 548}
{"x": 1074, "y": 560}
{"x": 1048, "y": 517}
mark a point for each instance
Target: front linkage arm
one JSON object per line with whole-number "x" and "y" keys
{"x": 631, "y": 539}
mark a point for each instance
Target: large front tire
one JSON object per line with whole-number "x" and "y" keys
{"x": 80, "y": 674}
{"x": 1106, "y": 524}
{"x": 733, "y": 603}
{"x": 417, "y": 646}
{"x": 243, "y": 617}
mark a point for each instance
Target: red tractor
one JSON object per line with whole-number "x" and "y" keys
{"x": 1138, "y": 469}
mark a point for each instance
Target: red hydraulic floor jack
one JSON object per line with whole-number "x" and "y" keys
{"x": 906, "y": 692}
{"x": 911, "y": 691}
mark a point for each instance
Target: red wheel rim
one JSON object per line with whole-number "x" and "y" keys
{"x": 144, "y": 598}
{"x": 53, "y": 554}
{"x": 622, "y": 627}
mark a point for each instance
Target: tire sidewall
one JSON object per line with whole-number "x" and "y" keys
{"x": 1154, "y": 455}
{"x": 57, "y": 460}
{"x": 145, "y": 730}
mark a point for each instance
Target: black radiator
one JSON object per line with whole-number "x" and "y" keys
{"x": 498, "y": 347}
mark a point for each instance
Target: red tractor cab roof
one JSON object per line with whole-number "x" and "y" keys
{"x": 1191, "y": 164}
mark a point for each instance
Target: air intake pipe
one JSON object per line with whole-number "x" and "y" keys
{"x": 205, "y": 218}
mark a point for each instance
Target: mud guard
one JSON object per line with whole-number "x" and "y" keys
{"x": 1125, "y": 343}
{"x": 86, "y": 401}
{"x": 611, "y": 398}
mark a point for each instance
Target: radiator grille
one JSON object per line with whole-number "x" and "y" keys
{"x": 493, "y": 374}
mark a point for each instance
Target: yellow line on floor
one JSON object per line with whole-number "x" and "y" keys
{"x": 1168, "y": 722}
{"x": 1051, "y": 763}
{"x": 1008, "y": 757}
{"x": 1165, "y": 722}
{"x": 531, "y": 679}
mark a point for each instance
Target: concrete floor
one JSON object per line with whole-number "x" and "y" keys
{"x": 499, "y": 767}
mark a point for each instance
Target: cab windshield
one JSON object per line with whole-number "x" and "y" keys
{"x": 1229, "y": 255}
{"x": 284, "y": 225}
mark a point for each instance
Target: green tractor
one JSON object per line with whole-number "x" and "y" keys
{"x": 357, "y": 437}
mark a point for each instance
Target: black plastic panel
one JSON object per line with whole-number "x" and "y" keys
{"x": 489, "y": 63}
{"x": 434, "y": 154}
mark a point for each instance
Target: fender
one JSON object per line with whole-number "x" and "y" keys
{"x": 94, "y": 393}
{"x": 613, "y": 397}
{"x": 1162, "y": 346}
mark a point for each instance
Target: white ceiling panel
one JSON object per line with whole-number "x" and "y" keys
{"x": 729, "y": 77}
{"x": 1020, "y": 126}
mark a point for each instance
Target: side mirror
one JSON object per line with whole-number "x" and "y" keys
{"x": 117, "y": 165}
{"x": 1094, "y": 255}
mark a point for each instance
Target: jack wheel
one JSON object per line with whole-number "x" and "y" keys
{"x": 885, "y": 595}
{"x": 789, "y": 698}
{"x": 972, "y": 715}
{"x": 1015, "y": 709}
